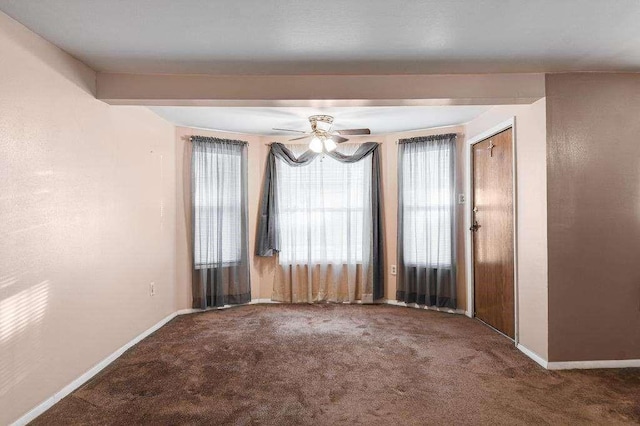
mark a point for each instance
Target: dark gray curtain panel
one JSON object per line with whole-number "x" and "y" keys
{"x": 219, "y": 222}
{"x": 426, "y": 221}
{"x": 268, "y": 241}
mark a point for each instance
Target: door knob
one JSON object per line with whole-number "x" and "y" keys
{"x": 475, "y": 226}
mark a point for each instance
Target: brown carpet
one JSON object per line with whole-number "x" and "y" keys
{"x": 340, "y": 364}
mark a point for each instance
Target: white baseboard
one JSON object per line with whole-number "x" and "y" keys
{"x": 187, "y": 311}
{"x": 51, "y": 401}
{"x": 429, "y": 308}
{"x": 534, "y": 356}
{"x": 579, "y": 365}
{"x": 261, "y": 301}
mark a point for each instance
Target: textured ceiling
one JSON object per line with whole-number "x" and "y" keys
{"x": 261, "y": 120}
{"x": 337, "y": 36}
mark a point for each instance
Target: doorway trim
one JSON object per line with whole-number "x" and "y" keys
{"x": 510, "y": 123}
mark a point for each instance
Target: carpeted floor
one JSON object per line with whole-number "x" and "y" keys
{"x": 340, "y": 364}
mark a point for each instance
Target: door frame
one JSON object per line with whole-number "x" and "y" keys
{"x": 468, "y": 211}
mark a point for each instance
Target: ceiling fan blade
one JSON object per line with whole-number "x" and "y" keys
{"x": 297, "y": 139}
{"x": 354, "y": 132}
{"x": 338, "y": 139}
{"x": 289, "y": 130}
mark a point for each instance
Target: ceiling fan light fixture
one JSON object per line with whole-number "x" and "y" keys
{"x": 329, "y": 144}
{"x": 315, "y": 145}
{"x": 322, "y": 137}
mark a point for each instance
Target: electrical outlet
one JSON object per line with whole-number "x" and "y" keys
{"x": 461, "y": 199}
{"x": 152, "y": 288}
{"x": 393, "y": 269}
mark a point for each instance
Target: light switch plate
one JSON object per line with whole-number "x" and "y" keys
{"x": 152, "y": 288}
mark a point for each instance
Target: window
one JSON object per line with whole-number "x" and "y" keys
{"x": 217, "y": 200}
{"x": 427, "y": 205}
{"x": 323, "y": 209}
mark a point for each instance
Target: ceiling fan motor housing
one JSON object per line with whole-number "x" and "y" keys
{"x": 322, "y": 123}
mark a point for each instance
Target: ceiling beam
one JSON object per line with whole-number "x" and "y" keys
{"x": 319, "y": 90}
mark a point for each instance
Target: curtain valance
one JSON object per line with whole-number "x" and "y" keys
{"x": 217, "y": 140}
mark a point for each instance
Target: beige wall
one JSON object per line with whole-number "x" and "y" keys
{"x": 593, "y": 157}
{"x": 94, "y": 205}
{"x": 263, "y": 269}
{"x": 531, "y": 219}
{"x": 87, "y": 221}
{"x": 308, "y": 90}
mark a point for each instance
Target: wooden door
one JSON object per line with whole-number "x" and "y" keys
{"x": 492, "y": 229}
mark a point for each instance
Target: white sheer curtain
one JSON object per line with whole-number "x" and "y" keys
{"x": 426, "y": 221}
{"x": 426, "y": 194}
{"x": 219, "y": 222}
{"x": 324, "y": 212}
{"x": 217, "y": 200}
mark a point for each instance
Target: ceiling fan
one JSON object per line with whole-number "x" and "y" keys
{"x": 322, "y": 136}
